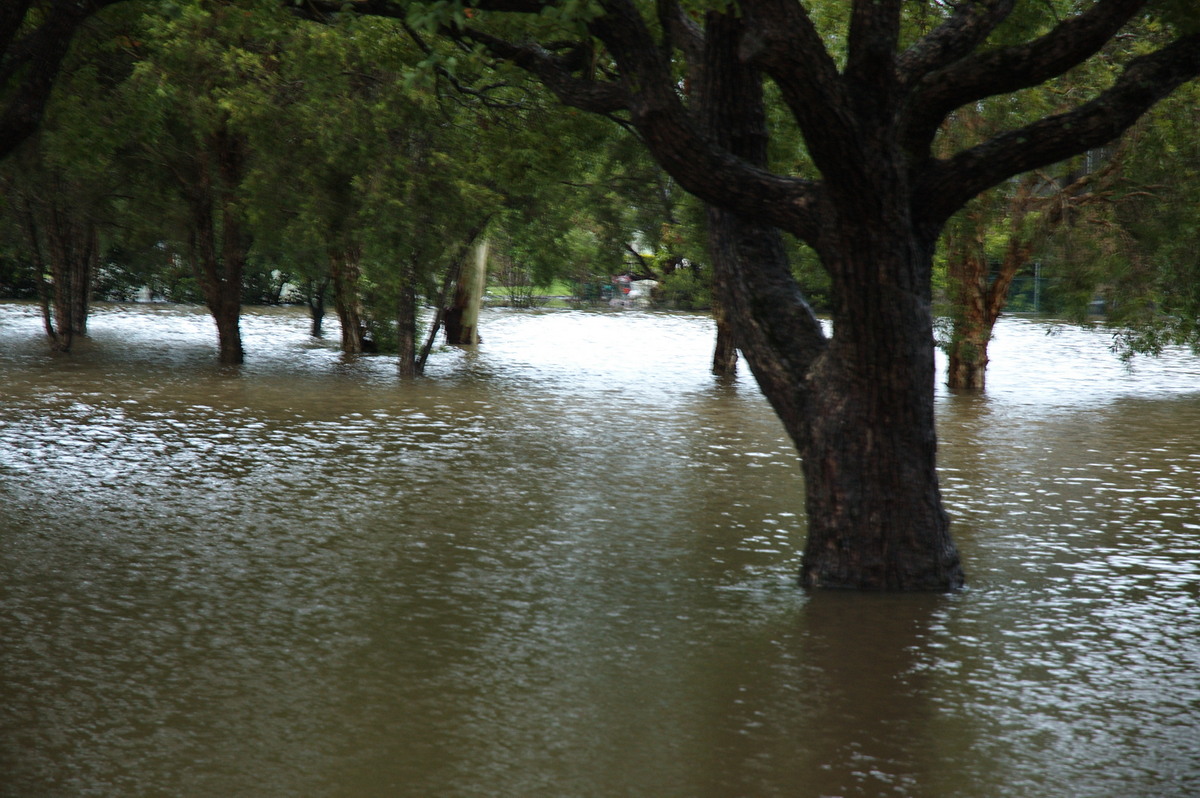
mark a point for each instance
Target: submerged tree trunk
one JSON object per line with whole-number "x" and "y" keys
{"x": 345, "y": 270}
{"x": 406, "y": 324}
{"x": 860, "y": 405}
{"x": 869, "y": 455}
{"x": 970, "y": 325}
{"x": 462, "y": 316}
{"x": 725, "y": 353}
{"x": 315, "y": 299}
{"x": 860, "y": 410}
{"x": 977, "y": 295}
{"x": 218, "y": 252}
{"x": 68, "y": 249}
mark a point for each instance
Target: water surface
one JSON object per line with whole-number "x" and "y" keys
{"x": 564, "y": 564}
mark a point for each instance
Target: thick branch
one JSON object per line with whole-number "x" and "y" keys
{"x": 967, "y": 27}
{"x": 682, "y": 30}
{"x": 648, "y": 90}
{"x": 947, "y": 185}
{"x": 674, "y": 137}
{"x": 782, "y": 41}
{"x": 870, "y": 64}
{"x": 556, "y": 73}
{"x": 775, "y": 328}
{"x": 1011, "y": 69}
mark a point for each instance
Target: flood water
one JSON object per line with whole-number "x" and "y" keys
{"x": 564, "y": 564}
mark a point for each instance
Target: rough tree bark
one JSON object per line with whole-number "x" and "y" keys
{"x": 858, "y": 403}
{"x": 858, "y": 408}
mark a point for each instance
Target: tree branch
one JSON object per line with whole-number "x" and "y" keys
{"x": 948, "y": 184}
{"x": 648, "y": 90}
{"x": 674, "y": 136}
{"x": 782, "y": 41}
{"x": 870, "y": 64}
{"x": 1011, "y": 69}
{"x": 967, "y": 27}
{"x": 556, "y": 72}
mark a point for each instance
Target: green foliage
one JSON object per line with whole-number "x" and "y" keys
{"x": 686, "y": 290}
{"x": 17, "y": 279}
{"x": 812, "y": 279}
{"x": 1182, "y": 15}
{"x": 1153, "y": 286}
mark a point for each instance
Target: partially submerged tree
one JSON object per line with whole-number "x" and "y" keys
{"x": 858, "y": 403}
{"x": 994, "y": 237}
{"x": 60, "y": 188}
{"x": 991, "y": 240}
{"x": 200, "y": 91}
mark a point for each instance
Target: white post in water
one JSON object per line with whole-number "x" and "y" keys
{"x": 475, "y": 282}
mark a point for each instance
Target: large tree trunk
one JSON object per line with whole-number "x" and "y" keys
{"x": 860, "y": 405}
{"x": 874, "y": 505}
{"x": 869, "y": 114}
{"x": 860, "y": 411}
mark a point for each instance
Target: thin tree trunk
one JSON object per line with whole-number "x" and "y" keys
{"x": 222, "y": 288}
{"x": 33, "y": 239}
{"x": 462, "y": 317}
{"x": 406, "y": 324}
{"x": 315, "y": 299}
{"x": 68, "y": 249}
{"x": 967, "y": 271}
{"x": 725, "y": 354}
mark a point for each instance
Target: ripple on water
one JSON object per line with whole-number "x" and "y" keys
{"x": 565, "y": 564}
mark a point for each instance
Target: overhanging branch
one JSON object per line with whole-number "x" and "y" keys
{"x": 948, "y": 184}
{"x": 1011, "y": 69}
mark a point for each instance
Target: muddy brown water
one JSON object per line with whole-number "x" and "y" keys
{"x": 564, "y": 565}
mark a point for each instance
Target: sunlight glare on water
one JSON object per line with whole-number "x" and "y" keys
{"x": 564, "y": 564}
